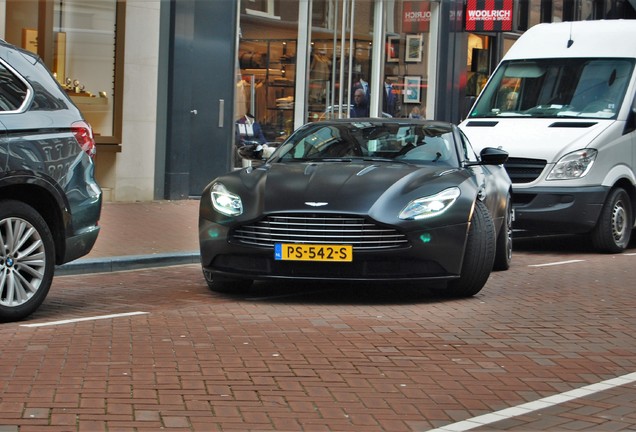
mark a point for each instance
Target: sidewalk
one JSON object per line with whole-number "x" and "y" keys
{"x": 142, "y": 234}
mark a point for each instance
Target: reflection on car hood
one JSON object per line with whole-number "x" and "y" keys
{"x": 337, "y": 186}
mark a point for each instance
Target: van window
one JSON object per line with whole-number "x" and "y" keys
{"x": 575, "y": 87}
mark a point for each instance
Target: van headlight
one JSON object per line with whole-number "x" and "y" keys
{"x": 430, "y": 206}
{"x": 224, "y": 201}
{"x": 573, "y": 165}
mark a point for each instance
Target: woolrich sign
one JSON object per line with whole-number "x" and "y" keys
{"x": 489, "y": 15}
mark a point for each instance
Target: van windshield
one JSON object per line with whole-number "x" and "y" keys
{"x": 571, "y": 87}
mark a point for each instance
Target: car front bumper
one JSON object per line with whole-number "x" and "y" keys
{"x": 431, "y": 254}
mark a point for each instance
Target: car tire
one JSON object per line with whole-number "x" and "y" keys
{"x": 27, "y": 260}
{"x": 479, "y": 255}
{"x": 225, "y": 284}
{"x": 503, "y": 253}
{"x": 614, "y": 227}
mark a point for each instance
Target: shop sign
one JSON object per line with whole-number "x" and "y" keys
{"x": 416, "y": 16}
{"x": 489, "y": 15}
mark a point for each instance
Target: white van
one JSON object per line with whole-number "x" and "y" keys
{"x": 562, "y": 103}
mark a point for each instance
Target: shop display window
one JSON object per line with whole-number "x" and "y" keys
{"x": 81, "y": 43}
{"x": 265, "y": 88}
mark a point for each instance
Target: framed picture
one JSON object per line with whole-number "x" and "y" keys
{"x": 393, "y": 49}
{"x": 412, "y": 89}
{"x": 413, "y": 52}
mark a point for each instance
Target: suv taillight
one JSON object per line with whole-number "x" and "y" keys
{"x": 84, "y": 136}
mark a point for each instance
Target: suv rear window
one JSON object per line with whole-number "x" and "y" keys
{"x": 13, "y": 91}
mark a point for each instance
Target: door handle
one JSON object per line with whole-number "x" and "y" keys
{"x": 194, "y": 112}
{"x": 221, "y": 109}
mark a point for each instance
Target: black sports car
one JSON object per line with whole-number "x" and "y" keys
{"x": 362, "y": 200}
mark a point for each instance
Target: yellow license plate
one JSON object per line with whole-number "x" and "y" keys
{"x": 313, "y": 252}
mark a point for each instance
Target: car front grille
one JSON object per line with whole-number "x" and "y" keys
{"x": 362, "y": 234}
{"x": 524, "y": 170}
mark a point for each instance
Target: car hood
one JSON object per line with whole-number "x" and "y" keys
{"x": 547, "y": 139}
{"x": 354, "y": 187}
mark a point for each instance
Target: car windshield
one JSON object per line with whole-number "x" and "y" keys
{"x": 375, "y": 141}
{"x": 575, "y": 87}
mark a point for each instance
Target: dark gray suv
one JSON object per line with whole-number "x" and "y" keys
{"x": 49, "y": 201}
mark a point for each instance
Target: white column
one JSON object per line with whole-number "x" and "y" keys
{"x": 302, "y": 67}
{"x": 377, "y": 63}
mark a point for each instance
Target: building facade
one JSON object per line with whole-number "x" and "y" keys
{"x": 171, "y": 87}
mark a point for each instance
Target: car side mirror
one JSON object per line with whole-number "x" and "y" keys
{"x": 493, "y": 156}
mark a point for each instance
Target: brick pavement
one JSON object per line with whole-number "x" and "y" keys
{"x": 148, "y": 227}
{"x": 311, "y": 357}
{"x": 142, "y": 234}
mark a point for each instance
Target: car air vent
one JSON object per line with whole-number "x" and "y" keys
{"x": 572, "y": 124}
{"x": 319, "y": 228}
{"x": 482, "y": 123}
{"x": 522, "y": 170}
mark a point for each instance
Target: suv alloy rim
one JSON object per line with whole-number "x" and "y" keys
{"x": 22, "y": 261}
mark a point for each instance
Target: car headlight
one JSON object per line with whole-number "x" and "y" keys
{"x": 430, "y": 206}
{"x": 224, "y": 201}
{"x": 573, "y": 165}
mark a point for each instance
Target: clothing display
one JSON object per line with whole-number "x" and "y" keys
{"x": 242, "y": 98}
{"x": 389, "y": 100}
{"x": 248, "y": 131}
{"x": 319, "y": 73}
{"x": 286, "y": 102}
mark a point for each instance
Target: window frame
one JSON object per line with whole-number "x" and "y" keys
{"x": 29, "y": 90}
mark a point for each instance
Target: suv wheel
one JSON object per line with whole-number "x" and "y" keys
{"x": 27, "y": 260}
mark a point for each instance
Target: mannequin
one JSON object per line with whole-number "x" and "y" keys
{"x": 389, "y": 101}
{"x": 248, "y": 131}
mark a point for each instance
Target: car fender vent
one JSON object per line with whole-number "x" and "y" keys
{"x": 572, "y": 124}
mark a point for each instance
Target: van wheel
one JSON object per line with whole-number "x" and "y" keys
{"x": 479, "y": 255}
{"x": 614, "y": 227}
{"x": 27, "y": 260}
{"x": 503, "y": 254}
{"x": 226, "y": 285}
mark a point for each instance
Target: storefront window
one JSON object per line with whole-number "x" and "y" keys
{"x": 406, "y": 59}
{"x": 342, "y": 79}
{"x": 478, "y": 67}
{"x": 265, "y": 89}
{"x": 78, "y": 42}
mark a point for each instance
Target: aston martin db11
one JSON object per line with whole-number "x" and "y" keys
{"x": 362, "y": 200}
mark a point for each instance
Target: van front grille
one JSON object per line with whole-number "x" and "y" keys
{"x": 524, "y": 170}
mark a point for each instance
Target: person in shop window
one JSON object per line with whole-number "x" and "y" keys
{"x": 361, "y": 84}
{"x": 416, "y": 113}
{"x": 360, "y": 107}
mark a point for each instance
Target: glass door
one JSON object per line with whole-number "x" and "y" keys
{"x": 339, "y": 84}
